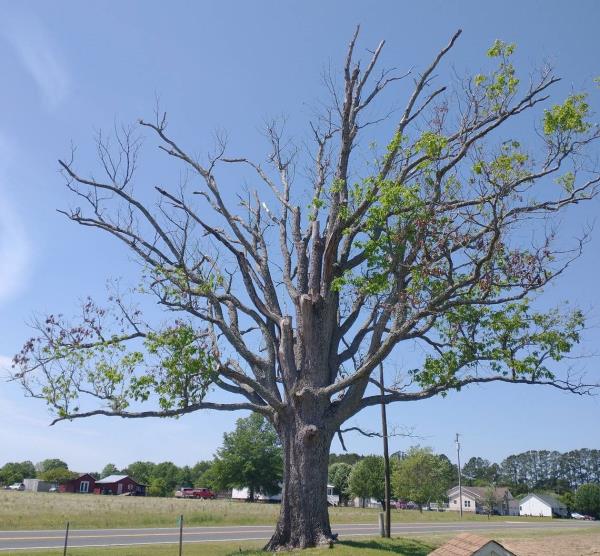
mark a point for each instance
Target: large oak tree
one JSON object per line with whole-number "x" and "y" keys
{"x": 287, "y": 295}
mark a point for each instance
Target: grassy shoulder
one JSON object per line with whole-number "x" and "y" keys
{"x": 26, "y": 510}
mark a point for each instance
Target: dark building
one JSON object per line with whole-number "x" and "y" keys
{"x": 119, "y": 484}
{"x": 83, "y": 484}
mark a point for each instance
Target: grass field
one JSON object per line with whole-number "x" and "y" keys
{"x": 26, "y": 510}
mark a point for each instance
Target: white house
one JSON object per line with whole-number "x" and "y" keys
{"x": 474, "y": 499}
{"x": 542, "y": 505}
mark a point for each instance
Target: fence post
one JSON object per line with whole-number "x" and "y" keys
{"x": 66, "y": 540}
{"x": 382, "y": 524}
{"x": 180, "y": 534}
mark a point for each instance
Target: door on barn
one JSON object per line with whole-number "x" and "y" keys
{"x": 120, "y": 488}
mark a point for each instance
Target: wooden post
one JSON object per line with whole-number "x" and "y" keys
{"x": 180, "y": 534}
{"x": 66, "y": 540}
{"x": 386, "y": 458}
{"x": 460, "y": 498}
{"x": 381, "y": 525}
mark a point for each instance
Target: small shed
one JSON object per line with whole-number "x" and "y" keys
{"x": 467, "y": 544}
{"x": 84, "y": 484}
{"x": 542, "y": 505}
{"x": 120, "y": 484}
{"x": 37, "y": 485}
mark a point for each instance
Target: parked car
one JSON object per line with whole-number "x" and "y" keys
{"x": 575, "y": 515}
{"x": 16, "y": 486}
{"x": 401, "y": 505}
{"x": 204, "y": 493}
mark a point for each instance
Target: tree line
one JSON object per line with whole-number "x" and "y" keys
{"x": 537, "y": 470}
{"x": 251, "y": 457}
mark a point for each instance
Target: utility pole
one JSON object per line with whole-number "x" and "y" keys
{"x": 460, "y": 500}
{"x": 386, "y": 457}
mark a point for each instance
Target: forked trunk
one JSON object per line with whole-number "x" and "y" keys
{"x": 304, "y": 517}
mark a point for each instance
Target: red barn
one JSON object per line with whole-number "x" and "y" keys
{"x": 83, "y": 484}
{"x": 120, "y": 484}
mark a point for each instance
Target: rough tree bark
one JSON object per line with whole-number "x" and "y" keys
{"x": 287, "y": 305}
{"x": 304, "y": 517}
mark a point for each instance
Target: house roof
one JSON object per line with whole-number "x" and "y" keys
{"x": 546, "y": 498}
{"x": 112, "y": 479}
{"x": 481, "y": 492}
{"x": 467, "y": 544}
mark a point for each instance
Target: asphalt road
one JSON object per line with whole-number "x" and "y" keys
{"x": 32, "y": 540}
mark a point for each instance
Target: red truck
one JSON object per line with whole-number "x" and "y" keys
{"x": 204, "y": 493}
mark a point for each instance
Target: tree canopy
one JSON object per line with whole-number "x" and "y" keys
{"x": 422, "y": 477}
{"x": 366, "y": 479}
{"x": 358, "y": 237}
{"x": 249, "y": 458}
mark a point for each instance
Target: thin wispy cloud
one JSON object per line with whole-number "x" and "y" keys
{"x": 39, "y": 55}
{"x": 15, "y": 252}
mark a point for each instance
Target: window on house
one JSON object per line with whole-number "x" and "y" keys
{"x": 454, "y": 501}
{"x": 467, "y": 503}
{"x": 84, "y": 486}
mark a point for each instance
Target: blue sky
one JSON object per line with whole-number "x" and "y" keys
{"x": 71, "y": 68}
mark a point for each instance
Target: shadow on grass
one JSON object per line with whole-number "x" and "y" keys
{"x": 404, "y": 547}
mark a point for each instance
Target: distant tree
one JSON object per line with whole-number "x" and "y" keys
{"x": 49, "y": 464}
{"x": 568, "y": 499}
{"x": 57, "y": 475}
{"x": 198, "y": 471}
{"x": 186, "y": 476}
{"x": 477, "y": 471}
{"x": 209, "y": 479}
{"x": 250, "y": 457}
{"x": 15, "y": 472}
{"x": 141, "y": 471}
{"x": 489, "y": 499}
{"x": 169, "y": 473}
{"x": 350, "y": 458}
{"x": 339, "y": 475}
{"x": 366, "y": 479}
{"x": 158, "y": 487}
{"x": 109, "y": 469}
{"x": 587, "y": 500}
{"x": 422, "y": 477}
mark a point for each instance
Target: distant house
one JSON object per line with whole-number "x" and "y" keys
{"x": 84, "y": 484}
{"x": 467, "y": 544}
{"x": 359, "y": 502}
{"x": 120, "y": 484}
{"x": 37, "y": 485}
{"x": 542, "y": 505}
{"x": 474, "y": 498}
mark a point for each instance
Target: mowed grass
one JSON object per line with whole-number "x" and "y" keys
{"x": 27, "y": 510}
{"x": 406, "y": 547}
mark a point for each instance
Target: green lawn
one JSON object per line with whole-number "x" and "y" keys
{"x": 406, "y": 547}
{"x": 26, "y": 510}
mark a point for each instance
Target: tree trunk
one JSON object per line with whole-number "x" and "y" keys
{"x": 304, "y": 517}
